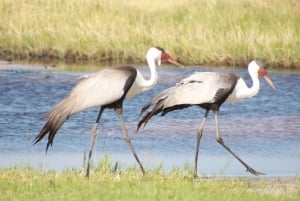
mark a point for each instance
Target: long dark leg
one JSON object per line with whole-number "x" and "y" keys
{"x": 127, "y": 139}
{"x": 199, "y": 135}
{"x": 220, "y": 140}
{"x": 92, "y": 140}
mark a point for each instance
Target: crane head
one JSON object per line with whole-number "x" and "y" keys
{"x": 263, "y": 72}
{"x": 160, "y": 55}
{"x": 165, "y": 57}
{"x": 256, "y": 68}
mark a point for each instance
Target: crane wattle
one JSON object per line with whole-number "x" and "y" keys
{"x": 262, "y": 72}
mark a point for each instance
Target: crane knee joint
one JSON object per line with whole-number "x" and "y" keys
{"x": 220, "y": 140}
{"x": 127, "y": 139}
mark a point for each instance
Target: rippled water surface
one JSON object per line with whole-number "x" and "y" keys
{"x": 264, "y": 130}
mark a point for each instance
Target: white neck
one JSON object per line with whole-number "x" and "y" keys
{"x": 152, "y": 81}
{"x": 141, "y": 84}
{"x": 252, "y": 91}
{"x": 245, "y": 92}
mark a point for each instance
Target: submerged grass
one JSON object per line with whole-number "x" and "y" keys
{"x": 198, "y": 32}
{"x": 27, "y": 183}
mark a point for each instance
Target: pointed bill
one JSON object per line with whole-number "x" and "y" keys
{"x": 268, "y": 79}
{"x": 172, "y": 61}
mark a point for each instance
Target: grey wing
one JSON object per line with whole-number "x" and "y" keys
{"x": 101, "y": 88}
{"x": 200, "y": 88}
{"x": 175, "y": 90}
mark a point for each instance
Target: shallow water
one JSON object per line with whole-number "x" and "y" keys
{"x": 264, "y": 130}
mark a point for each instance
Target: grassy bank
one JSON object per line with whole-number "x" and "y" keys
{"x": 33, "y": 184}
{"x": 224, "y": 32}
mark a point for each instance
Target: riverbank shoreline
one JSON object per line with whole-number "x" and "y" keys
{"x": 111, "y": 62}
{"x": 24, "y": 65}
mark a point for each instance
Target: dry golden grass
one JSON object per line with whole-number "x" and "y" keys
{"x": 216, "y": 32}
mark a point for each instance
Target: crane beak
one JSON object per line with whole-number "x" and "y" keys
{"x": 173, "y": 61}
{"x": 268, "y": 79}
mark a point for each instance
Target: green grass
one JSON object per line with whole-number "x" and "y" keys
{"x": 27, "y": 183}
{"x": 223, "y": 32}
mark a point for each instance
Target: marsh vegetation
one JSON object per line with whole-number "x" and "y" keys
{"x": 226, "y": 32}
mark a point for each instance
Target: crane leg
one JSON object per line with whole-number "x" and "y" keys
{"x": 199, "y": 135}
{"x": 220, "y": 141}
{"x": 92, "y": 140}
{"x": 127, "y": 139}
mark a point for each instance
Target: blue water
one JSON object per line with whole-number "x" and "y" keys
{"x": 264, "y": 130}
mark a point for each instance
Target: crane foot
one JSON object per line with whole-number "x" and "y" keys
{"x": 254, "y": 172}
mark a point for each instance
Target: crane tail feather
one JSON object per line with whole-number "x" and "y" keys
{"x": 145, "y": 108}
{"x": 144, "y": 121}
{"x": 156, "y": 109}
{"x": 157, "y": 99}
{"x": 51, "y": 127}
{"x": 56, "y": 118}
